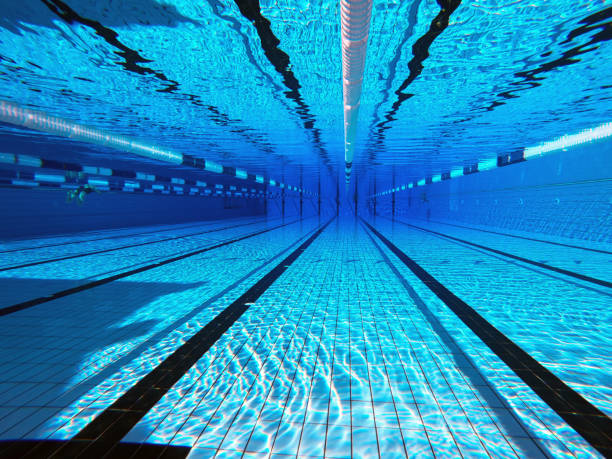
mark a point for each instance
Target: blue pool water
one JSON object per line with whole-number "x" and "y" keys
{"x": 186, "y": 269}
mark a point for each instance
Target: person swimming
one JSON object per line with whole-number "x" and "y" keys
{"x": 79, "y": 194}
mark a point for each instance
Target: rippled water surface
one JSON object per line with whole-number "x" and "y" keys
{"x": 446, "y": 82}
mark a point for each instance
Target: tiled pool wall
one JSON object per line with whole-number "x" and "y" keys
{"x": 42, "y": 212}
{"x": 566, "y": 194}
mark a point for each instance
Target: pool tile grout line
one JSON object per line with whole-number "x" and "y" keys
{"x": 44, "y": 299}
{"x": 108, "y": 428}
{"x": 585, "y": 418}
{"x": 566, "y": 272}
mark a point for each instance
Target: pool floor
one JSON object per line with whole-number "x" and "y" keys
{"x": 304, "y": 338}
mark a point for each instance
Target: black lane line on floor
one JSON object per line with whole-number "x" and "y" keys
{"x": 101, "y": 435}
{"x": 524, "y": 237}
{"x": 96, "y": 252}
{"x": 44, "y": 299}
{"x": 116, "y": 236}
{"x": 487, "y": 393}
{"x": 130, "y": 355}
{"x": 23, "y": 448}
{"x": 183, "y": 226}
{"x": 585, "y": 418}
{"x": 566, "y": 272}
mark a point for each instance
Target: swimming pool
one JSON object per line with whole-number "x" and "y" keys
{"x": 197, "y": 258}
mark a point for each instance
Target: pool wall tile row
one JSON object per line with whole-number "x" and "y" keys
{"x": 567, "y": 194}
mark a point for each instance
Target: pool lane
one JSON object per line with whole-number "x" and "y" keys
{"x": 345, "y": 354}
{"x": 563, "y": 324}
{"x": 580, "y": 263}
{"x": 70, "y": 358}
{"x": 336, "y": 359}
{"x": 73, "y": 239}
{"x": 48, "y": 253}
{"x": 580, "y": 414}
{"x": 566, "y": 242}
{"x": 102, "y": 435}
{"x": 36, "y": 283}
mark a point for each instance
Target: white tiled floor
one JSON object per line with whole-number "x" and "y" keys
{"x": 347, "y": 354}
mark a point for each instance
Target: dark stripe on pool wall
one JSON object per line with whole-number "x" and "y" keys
{"x": 585, "y": 418}
{"x": 566, "y": 272}
{"x": 104, "y": 433}
{"x": 95, "y": 252}
{"x": 44, "y": 299}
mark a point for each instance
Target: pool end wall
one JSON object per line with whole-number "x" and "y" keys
{"x": 28, "y": 213}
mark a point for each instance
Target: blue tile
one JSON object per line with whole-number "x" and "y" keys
{"x": 287, "y": 440}
{"x": 338, "y": 442}
{"x": 364, "y": 442}
{"x": 362, "y": 414}
{"x": 202, "y": 453}
{"x": 417, "y": 444}
{"x": 312, "y": 443}
{"x": 262, "y": 437}
{"x": 390, "y": 442}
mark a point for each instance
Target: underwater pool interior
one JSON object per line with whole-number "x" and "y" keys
{"x": 226, "y": 234}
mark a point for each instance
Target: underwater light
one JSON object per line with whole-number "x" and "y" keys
{"x": 49, "y": 178}
{"x": 24, "y": 183}
{"x": 588, "y": 135}
{"x": 141, "y": 176}
{"x": 212, "y": 166}
{"x": 487, "y": 164}
{"x": 14, "y": 114}
{"x": 456, "y": 172}
{"x": 98, "y": 182}
{"x": 600, "y": 132}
